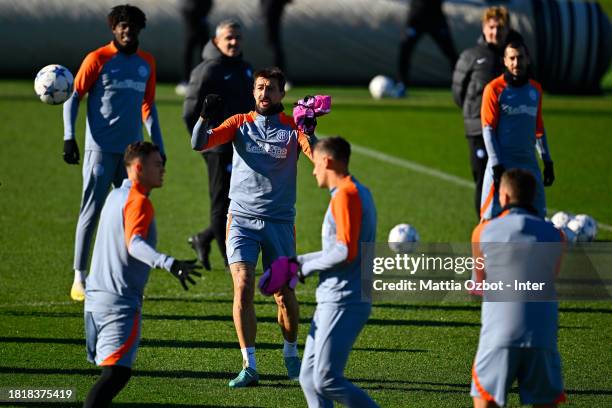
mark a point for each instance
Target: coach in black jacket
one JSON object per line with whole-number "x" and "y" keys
{"x": 225, "y": 73}
{"x": 476, "y": 67}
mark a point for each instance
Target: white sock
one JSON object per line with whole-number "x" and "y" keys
{"x": 79, "y": 276}
{"x": 290, "y": 349}
{"x": 248, "y": 356}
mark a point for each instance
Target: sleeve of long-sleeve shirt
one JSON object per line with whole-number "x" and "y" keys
{"x": 137, "y": 218}
{"x": 86, "y": 76}
{"x": 489, "y": 114}
{"x": 542, "y": 146}
{"x": 149, "y": 111}
{"x": 306, "y": 143}
{"x": 346, "y": 210}
{"x": 203, "y": 137}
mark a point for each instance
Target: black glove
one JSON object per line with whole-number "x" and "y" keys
{"x": 498, "y": 170}
{"x": 212, "y": 108}
{"x": 71, "y": 152}
{"x": 164, "y": 159}
{"x": 182, "y": 269}
{"x": 549, "y": 174}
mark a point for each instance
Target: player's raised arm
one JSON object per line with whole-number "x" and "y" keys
{"x": 203, "y": 136}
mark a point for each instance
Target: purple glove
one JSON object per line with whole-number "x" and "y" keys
{"x": 306, "y": 111}
{"x": 282, "y": 271}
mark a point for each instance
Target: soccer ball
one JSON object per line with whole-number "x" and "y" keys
{"x": 570, "y": 235}
{"x": 584, "y": 226}
{"x": 381, "y": 87}
{"x": 561, "y": 218}
{"x": 403, "y": 238}
{"x": 53, "y": 84}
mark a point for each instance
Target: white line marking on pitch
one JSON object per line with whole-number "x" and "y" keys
{"x": 419, "y": 168}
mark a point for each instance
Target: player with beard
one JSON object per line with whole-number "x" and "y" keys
{"x": 513, "y": 129}
{"x": 119, "y": 79}
{"x": 261, "y": 214}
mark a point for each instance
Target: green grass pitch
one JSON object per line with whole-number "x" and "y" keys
{"x": 409, "y": 355}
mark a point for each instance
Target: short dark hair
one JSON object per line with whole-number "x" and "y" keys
{"x": 138, "y": 150}
{"x": 516, "y": 44}
{"x": 337, "y": 147}
{"x": 271, "y": 73}
{"x": 130, "y": 14}
{"x": 521, "y": 185}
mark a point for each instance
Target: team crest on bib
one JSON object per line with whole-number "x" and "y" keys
{"x": 143, "y": 71}
{"x": 533, "y": 95}
{"x": 282, "y": 135}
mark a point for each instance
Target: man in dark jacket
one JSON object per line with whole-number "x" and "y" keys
{"x": 222, "y": 72}
{"x": 476, "y": 67}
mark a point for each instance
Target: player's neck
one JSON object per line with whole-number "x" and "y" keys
{"x": 336, "y": 178}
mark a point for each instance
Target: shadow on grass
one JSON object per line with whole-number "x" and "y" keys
{"x": 205, "y": 344}
{"x": 120, "y": 404}
{"x": 262, "y": 319}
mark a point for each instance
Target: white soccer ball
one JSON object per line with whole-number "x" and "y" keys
{"x": 381, "y": 87}
{"x": 403, "y": 238}
{"x": 570, "y": 235}
{"x": 561, "y": 218}
{"x": 584, "y": 226}
{"x": 53, "y": 84}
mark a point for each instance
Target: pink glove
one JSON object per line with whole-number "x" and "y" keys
{"x": 306, "y": 110}
{"x": 282, "y": 271}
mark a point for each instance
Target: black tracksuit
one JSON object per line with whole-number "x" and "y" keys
{"x": 232, "y": 79}
{"x": 424, "y": 16}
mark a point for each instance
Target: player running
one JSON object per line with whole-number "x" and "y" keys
{"x": 518, "y": 340}
{"x": 341, "y": 311}
{"x": 120, "y": 81}
{"x": 123, "y": 255}
{"x": 261, "y": 214}
{"x": 512, "y": 129}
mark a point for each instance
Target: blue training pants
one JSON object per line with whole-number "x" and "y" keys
{"x": 333, "y": 332}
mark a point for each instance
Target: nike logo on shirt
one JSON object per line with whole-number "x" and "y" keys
{"x": 480, "y": 60}
{"x": 226, "y": 77}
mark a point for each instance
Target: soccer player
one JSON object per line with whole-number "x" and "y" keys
{"x": 518, "y": 340}
{"x": 120, "y": 81}
{"x": 195, "y": 20}
{"x": 261, "y": 214}
{"x": 225, "y": 73}
{"x": 123, "y": 255}
{"x": 476, "y": 67}
{"x": 424, "y": 16}
{"x": 341, "y": 311}
{"x": 512, "y": 128}
{"x": 272, "y": 11}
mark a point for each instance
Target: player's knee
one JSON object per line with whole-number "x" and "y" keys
{"x": 325, "y": 382}
{"x": 285, "y": 298}
{"x": 306, "y": 381}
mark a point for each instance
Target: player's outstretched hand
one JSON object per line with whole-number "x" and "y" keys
{"x": 549, "y": 174}
{"x": 183, "y": 270}
{"x": 71, "y": 152}
{"x": 498, "y": 170}
{"x": 212, "y": 108}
